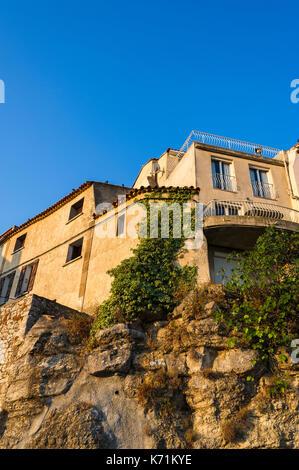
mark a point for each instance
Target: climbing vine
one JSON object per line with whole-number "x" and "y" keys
{"x": 144, "y": 286}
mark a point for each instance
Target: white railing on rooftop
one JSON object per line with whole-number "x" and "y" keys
{"x": 225, "y": 143}
{"x": 251, "y": 208}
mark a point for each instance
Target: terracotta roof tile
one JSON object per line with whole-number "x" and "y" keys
{"x": 13, "y": 230}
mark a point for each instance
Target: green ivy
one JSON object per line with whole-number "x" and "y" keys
{"x": 144, "y": 285}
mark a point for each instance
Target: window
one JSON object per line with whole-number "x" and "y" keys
{"x": 20, "y": 242}
{"x": 76, "y": 209}
{"x": 222, "y": 178}
{"x": 5, "y": 287}
{"x": 120, "y": 225}
{"x": 26, "y": 279}
{"x": 75, "y": 250}
{"x": 260, "y": 183}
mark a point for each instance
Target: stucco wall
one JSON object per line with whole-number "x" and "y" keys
{"x": 194, "y": 169}
{"x": 241, "y": 171}
{"x": 293, "y": 160}
{"x": 48, "y": 240}
{"x": 107, "y": 253}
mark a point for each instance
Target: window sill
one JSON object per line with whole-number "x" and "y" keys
{"x": 265, "y": 198}
{"x": 73, "y": 218}
{"x": 71, "y": 261}
{"x": 227, "y": 190}
{"x": 17, "y": 251}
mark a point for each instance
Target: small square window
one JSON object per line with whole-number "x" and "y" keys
{"x": 75, "y": 250}
{"x": 76, "y": 209}
{"x": 20, "y": 242}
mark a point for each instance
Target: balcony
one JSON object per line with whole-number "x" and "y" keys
{"x": 224, "y": 182}
{"x": 251, "y": 209}
{"x": 238, "y": 224}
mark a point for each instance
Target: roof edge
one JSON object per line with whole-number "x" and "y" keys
{"x": 16, "y": 229}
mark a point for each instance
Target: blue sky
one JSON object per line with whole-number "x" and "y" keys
{"x": 94, "y": 89}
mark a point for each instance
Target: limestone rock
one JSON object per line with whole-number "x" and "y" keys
{"x": 112, "y": 361}
{"x": 116, "y": 333}
{"x": 172, "y": 385}
{"x": 238, "y": 361}
{"x": 176, "y": 365}
{"x": 200, "y": 359}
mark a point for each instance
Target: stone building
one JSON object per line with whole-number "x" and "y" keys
{"x": 64, "y": 253}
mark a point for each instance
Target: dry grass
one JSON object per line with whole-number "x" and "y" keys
{"x": 262, "y": 402}
{"x": 166, "y": 408}
{"x": 83, "y": 406}
{"x": 190, "y": 436}
{"x": 78, "y": 328}
{"x": 147, "y": 430}
{"x": 150, "y": 391}
{"x": 211, "y": 374}
{"x": 151, "y": 344}
{"x": 145, "y": 394}
{"x": 176, "y": 338}
{"x": 197, "y": 299}
{"x": 235, "y": 427}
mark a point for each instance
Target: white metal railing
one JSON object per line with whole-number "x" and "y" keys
{"x": 223, "y": 142}
{"x": 250, "y": 208}
{"x": 225, "y": 182}
{"x": 262, "y": 189}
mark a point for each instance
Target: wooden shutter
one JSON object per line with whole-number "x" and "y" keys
{"x": 32, "y": 276}
{"x": 11, "y": 279}
{"x": 19, "y": 286}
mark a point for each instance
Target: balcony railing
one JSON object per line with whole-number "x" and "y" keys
{"x": 262, "y": 189}
{"x": 251, "y": 208}
{"x": 230, "y": 144}
{"x": 225, "y": 182}
{"x": 225, "y": 143}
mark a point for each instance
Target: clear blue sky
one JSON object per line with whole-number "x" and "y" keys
{"x": 96, "y": 88}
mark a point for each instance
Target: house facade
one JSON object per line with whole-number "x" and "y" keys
{"x": 64, "y": 253}
{"x": 49, "y": 254}
{"x": 243, "y": 187}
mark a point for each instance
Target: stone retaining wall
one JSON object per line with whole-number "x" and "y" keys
{"x": 16, "y": 320}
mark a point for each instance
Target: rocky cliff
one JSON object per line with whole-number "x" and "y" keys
{"x": 171, "y": 384}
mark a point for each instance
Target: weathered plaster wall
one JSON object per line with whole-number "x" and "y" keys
{"x": 106, "y": 253}
{"x": 184, "y": 173}
{"x": 293, "y": 159}
{"x": 241, "y": 170}
{"x": 48, "y": 241}
{"x": 194, "y": 169}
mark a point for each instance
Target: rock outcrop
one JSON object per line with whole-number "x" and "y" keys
{"x": 165, "y": 384}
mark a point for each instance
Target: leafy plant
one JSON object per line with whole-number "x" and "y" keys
{"x": 144, "y": 286}
{"x": 262, "y": 295}
{"x": 278, "y": 386}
